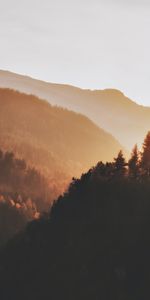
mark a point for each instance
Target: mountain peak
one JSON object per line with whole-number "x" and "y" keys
{"x": 114, "y": 92}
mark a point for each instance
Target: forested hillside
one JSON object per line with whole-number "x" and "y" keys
{"x": 58, "y": 142}
{"x": 24, "y": 195}
{"x": 95, "y": 243}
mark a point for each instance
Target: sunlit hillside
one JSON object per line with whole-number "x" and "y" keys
{"x": 110, "y": 109}
{"x": 59, "y": 142}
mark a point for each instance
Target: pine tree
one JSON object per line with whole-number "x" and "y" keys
{"x": 145, "y": 155}
{"x": 133, "y": 163}
{"x": 120, "y": 163}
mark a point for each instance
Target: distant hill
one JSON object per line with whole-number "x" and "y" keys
{"x": 110, "y": 109}
{"x": 59, "y": 142}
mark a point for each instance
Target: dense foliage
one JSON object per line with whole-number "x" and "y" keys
{"x": 95, "y": 243}
{"x": 23, "y": 195}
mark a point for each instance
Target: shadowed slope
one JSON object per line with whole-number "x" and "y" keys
{"x": 95, "y": 243}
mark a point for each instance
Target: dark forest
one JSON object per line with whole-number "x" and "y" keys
{"x": 93, "y": 244}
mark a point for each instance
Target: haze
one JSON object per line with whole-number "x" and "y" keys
{"x": 93, "y": 44}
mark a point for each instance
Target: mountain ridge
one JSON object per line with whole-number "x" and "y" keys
{"x": 110, "y": 109}
{"x": 61, "y": 143}
{"x": 116, "y": 91}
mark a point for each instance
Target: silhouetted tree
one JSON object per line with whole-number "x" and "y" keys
{"x": 145, "y": 155}
{"x": 120, "y": 164}
{"x": 133, "y": 163}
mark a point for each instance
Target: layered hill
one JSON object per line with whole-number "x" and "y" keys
{"x": 110, "y": 109}
{"x": 59, "y": 142}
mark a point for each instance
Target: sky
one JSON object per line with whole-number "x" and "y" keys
{"x": 94, "y": 44}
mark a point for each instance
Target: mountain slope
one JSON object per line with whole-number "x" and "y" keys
{"x": 94, "y": 245}
{"x": 59, "y": 142}
{"x": 109, "y": 109}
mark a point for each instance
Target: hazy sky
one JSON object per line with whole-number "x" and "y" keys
{"x": 88, "y": 43}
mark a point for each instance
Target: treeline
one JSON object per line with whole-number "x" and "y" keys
{"x": 94, "y": 244}
{"x": 138, "y": 166}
